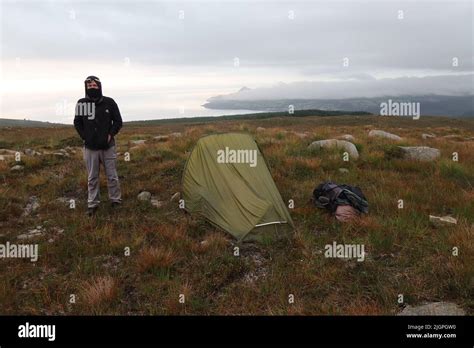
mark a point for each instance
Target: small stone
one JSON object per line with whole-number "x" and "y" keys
{"x": 29, "y": 152}
{"x": 138, "y": 142}
{"x": 428, "y": 136}
{"x": 334, "y": 143}
{"x": 438, "y": 221}
{"x": 7, "y": 152}
{"x": 260, "y": 129}
{"x": 347, "y": 137}
{"x": 343, "y": 170}
{"x": 383, "y": 134}
{"x": 420, "y": 153}
{"x": 36, "y": 232}
{"x": 144, "y": 196}
{"x": 161, "y": 137}
{"x": 16, "y": 168}
{"x": 302, "y": 135}
{"x": 156, "y": 203}
{"x": 435, "y": 308}
{"x": 175, "y": 196}
{"x": 31, "y": 206}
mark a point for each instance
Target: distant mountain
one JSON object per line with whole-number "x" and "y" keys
{"x": 10, "y": 122}
{"x": 435, "y": 105}
{"x": 256, "y": 116}
{"x": 243, "y": 89}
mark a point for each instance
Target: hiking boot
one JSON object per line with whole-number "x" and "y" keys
{"x": 91, "y": 211}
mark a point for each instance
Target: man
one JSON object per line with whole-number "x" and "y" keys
{"x": 98, "y": 120}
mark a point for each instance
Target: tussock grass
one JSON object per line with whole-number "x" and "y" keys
{"x": 173, "y": 253}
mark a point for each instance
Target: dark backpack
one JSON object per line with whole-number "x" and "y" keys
{"x": 329, "y": 195}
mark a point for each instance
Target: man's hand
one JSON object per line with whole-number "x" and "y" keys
{"x": 109, "y": 138}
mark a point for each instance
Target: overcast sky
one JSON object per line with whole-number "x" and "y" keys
{"x": 161, "y": 59}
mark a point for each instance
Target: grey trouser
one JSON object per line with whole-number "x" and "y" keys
{"x": 93, "y": 159}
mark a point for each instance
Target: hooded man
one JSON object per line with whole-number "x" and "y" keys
{"x": 98, "y": 120}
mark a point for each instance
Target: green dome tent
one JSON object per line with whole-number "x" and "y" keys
{"x": 226, "y": 180}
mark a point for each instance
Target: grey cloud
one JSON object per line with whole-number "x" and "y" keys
{"x": 360, "y": 88}
{"x": 259, "y": 33}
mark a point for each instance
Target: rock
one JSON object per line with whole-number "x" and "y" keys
{"x": 138, "y": 142}
{"x": 29, "y": 152}
{"x": 2, "y": 158}
{"x": 260, "y": 129}
{"x": 434, "y": 308}
{"x": 383, "y": 134}
{"x": 176, "y": 135}
{"x": 161, "y": 137}
{"x": 428, "y": 136}
{"x": 17, "y": 168}
{"x": 302, "y": 135}
{"x": 420, "y": 153}
{"x": 36, "y": 232}
{"x": 347, "y": 137}
{"x": 156, "y": 203}
{"x": 33, "y": 204}
{"x": 438, "y": 221}
{"x": 7, "y": 152}
{"x": 343, "y": 170}
{"x": 59, "y": 154}
{"x": 175, "y": 197}
{"x": 65, "y": 200}
{"x": 258, "y": 262}
{"x": 144, "y": 196}
{"x": 334, "y": 143}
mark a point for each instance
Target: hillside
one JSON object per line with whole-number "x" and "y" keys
{"x": 173, "y": 253}
{"x": 10, "y": 122}
{"x": 435, "y": 105}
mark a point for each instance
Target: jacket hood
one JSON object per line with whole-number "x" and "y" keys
{"x": 99, "y": 84}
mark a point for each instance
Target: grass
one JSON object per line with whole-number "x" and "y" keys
{"x": 141, "y": 259}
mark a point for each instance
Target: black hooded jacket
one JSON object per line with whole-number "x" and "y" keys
{"x": 96, "y": 118}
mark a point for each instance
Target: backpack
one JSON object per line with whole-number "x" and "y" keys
{"x": 329, "y": 195}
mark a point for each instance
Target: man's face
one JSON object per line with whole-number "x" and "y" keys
{"x": 92, "y": 84}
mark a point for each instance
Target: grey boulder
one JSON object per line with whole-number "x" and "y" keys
{"x": 420, "y": 153}
{"x": 335, "y": 143}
